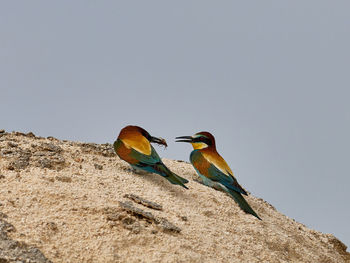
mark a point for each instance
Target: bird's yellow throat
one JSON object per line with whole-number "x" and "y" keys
{"x": 199, "y": 145}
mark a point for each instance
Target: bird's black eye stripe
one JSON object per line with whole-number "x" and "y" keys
{"x": 146, "y": 134}
{"x": 202, "y": 139}
{"x": 207, "y": 141}
{"x": 197, "y": 139}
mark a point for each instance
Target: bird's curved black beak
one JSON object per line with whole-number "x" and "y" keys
{"x": 184, "y": 139}
{"x": 159, "y": 141}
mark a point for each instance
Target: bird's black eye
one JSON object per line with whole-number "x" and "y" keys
{"x": 146, "y": 134}
{"x": 205, "y": 140}
{"x": 197, "y": 139}
{"x": 201, "y": 139}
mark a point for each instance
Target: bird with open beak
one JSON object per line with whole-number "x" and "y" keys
{"x": 213, "y": 169}
{"x": 133, "y": 145}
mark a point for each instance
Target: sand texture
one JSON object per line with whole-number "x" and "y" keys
{"x": 63, "y": 201}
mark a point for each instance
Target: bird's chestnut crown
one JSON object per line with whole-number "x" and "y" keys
{"x": 131, "y": 129}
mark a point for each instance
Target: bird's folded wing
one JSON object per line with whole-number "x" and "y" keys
{"x": 228, "y": 181}
{"x": 151, "y": 159}
{"x": 209, "y": 166}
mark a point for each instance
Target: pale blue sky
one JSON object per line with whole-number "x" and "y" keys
{"x": 270, "y": 79}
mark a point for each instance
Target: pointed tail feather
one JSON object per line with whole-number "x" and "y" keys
{"x": 243, "y": 203}
{"x": 170, "y": 176}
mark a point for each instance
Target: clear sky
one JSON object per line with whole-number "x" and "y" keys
{"x": 270, "y": 79}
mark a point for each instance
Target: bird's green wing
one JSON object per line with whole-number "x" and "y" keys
{"x": 209, "y": 170}
{"x": 151, "y": 159}
{"x": 152, "y": 163}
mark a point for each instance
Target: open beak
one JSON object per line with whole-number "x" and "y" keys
{"x": 184, "y": 139}
{"x": 159, "y": 141}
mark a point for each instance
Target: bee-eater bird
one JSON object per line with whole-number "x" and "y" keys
{"x": 213, "y": 169}
{"x": 133, "y": 146}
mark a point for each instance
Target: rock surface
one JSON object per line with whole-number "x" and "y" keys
{"x": 63, "y": 201}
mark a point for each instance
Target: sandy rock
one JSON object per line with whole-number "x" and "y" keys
{"x": 14, "y": 251}
{"x": 64, "y": 201}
